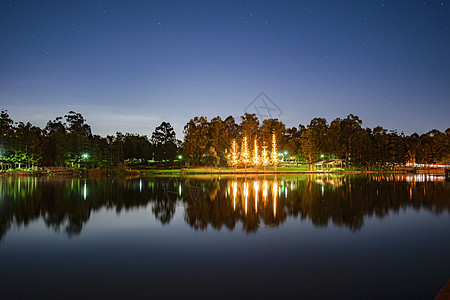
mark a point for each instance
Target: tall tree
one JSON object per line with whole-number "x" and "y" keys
{"x": 232, "y": 128}
{"x": 352, "y": 136}
{"x": 6, "y": 131}
{"x": 294, "y": 145}
{"x": 314, "y": 139}
{"x": 165, "y": 142}
{"x": 55, "y": 143}
{"x": 195, "y": 140}
{"x": 249, "y": 126}
{"x": 270, "y": 126}
{"x": 218, "y": 137}
{"x": 76, "y": 124}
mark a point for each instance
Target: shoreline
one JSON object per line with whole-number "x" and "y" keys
{"x": 194, "y": 171}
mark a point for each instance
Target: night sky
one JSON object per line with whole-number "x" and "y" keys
{"x": 129, "y": 65}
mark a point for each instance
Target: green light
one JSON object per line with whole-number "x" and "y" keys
{"x": 285, "y": 152}
{"x": 322, "y": 156}
{"x": 85, "y": 155}
{"x": 180, "y": 157}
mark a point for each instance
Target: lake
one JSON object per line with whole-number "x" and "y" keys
{"x": 304, "y": 236}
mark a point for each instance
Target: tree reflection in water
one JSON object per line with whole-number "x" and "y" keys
{"x": 66, "y": 204}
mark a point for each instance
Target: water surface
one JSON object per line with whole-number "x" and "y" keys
{"x": 309, "y": 237}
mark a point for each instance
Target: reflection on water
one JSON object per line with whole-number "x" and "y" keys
{"x": 66, "y": 204}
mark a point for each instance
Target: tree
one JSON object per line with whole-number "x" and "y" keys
{"x": 137, "y": 147}
{"x": 6, "y": 131}
{"x": 165, "y": 142}
{"x": 293, "y": 144}
{"x": 76, "y": 124}
{"x": 28, "y": 144}
{"x": 55, "y": 143}
{"x": 270, "y": 126}
{"x": 211, "y": 158}
{"x": 249, "y": 126}
{"x": 218, "y": 137}
{"x": 116, "y": 145}
{"x": 195, "y": 140}
{"x": 232, "y": 128}
{"x": 352, "y": 136}
{"x": 380, "y": 143}
{"x": 314, "y": 139}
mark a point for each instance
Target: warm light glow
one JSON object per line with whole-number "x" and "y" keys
{"x": 255, "y": 157}
{"x": 251, "y": 157}
{"x": 256, "y": 187}
{"x": 234, "y": 154}
{"x": 245, "y": 197}
{"x": 274, "y": 150}
{"x": 265, "y": 188}
{"x": 245, "y": 154}
{"x": 234, "y": 194}
{"x": 265, "y": 160}
{"x": 274, "y": 194}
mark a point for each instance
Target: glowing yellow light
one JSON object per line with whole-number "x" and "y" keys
{"x": 274, "y": 150}
{"x": 255, "y": 157}
{"x": 234, "y": 154}
{"x": 234, "y": 195}
{"x": 245, "y": 154}
{"x": 245, "y": 196}
{"x": 265, "y": 188}
{"x": 265, "y": 160}
{"x": 274, "y": 194}
{"x": 256, "y": 187}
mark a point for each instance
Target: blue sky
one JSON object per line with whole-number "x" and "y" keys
{"x": 129, "y": 65}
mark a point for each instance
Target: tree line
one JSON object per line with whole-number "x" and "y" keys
{"x": 68, "y": 141}
{"x": 342, "y": 138}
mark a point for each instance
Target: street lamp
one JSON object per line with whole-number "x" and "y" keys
{"x": 85, "y": 156}
{"x": 179, "y": 159}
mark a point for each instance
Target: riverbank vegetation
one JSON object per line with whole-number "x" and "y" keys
{"x": 69, "y": 142}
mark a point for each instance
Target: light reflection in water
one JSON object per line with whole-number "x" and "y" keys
{"x": 274, "y": 193}
{"x": 265, "y": 187}
{"x": 375, "y": 193}
{"x": 234, "y": 194}
{"x": 246, "y": 197}
{"x": 256, "y": 187}
{"x": 251, "y": 194}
